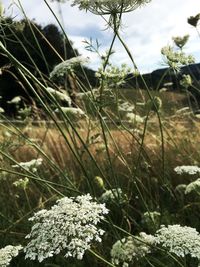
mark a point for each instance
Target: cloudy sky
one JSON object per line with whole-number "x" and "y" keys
{"x": 145, "y": 30}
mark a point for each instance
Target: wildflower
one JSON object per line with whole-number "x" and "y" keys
{"x": 31, "y": 165}
{"x": 106, "y": 7}
{"x": 180, "y": 41}
{"x": 126, "y": 107}
{"x": 7, "y": 253}
{"x": 113, "y": 76}
{"x": 16, "y": 100}
{"x": 59, "y": 95}
{"x": 193, "y": 187}
{"x": 193, "y": 20}
{"x": 24, "y": 113}
{"x": 67, "y": 66}
{"x": 151, "y": 220}
{"x": 70, "y": 225}
{"x": 23, "y": 183}
{"x": 72, "y": 113}
{"x": 180, "y": 240}
{"x": 130, "y": 249}
{"x": 111, "y": 196}
{"x": 187, "y": 169}
{"x": 186, "y": 81}
{"x": 133, "y": 118}
{"x": 175, "y": 59}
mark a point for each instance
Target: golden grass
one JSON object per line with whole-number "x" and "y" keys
{"x": 181, "y": 145}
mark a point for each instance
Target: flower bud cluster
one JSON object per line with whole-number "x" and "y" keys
{"x": 175, "y": 59}
{"x": 113, "y": 76}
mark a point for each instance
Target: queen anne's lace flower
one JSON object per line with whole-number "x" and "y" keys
{"x": 7, "y": 253}
{"x": 31, "y": 165}
{"x": 134, "y": 118}
{"x": 180, "y": 240}
{"x": 67, "y": 66}
{"x": 106, "y": 7}
{"x": 129, "y": 249}
{"x": 187, "y": 169}
{"x": 70, "y": 225}
{"x": 16, "y": 100}
{"x": 193, "y": 187}
{"x": 175, "y": 59}
{"x": 59, "y": 95}
{"x": 113, "y": 76}
{"x": 112, "y": 196}
{"x": 73, "y": 114}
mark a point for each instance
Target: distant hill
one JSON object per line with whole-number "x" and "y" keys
{"x": 160, "y": 77}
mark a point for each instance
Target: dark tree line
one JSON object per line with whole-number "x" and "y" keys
{"x": 38, "y": 48}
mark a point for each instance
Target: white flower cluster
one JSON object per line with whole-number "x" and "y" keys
{"x": 193, "y": 187}
{"x": 15, "y": 100}
{"x": 187, "y": 169}
{"x": 113, "y": 76}
{"x": 74, "y": 114}
{"x": 70, "y": 225}
{"x": 126, "y": 107}
{"x": 186, "y": 81}
{"x": 59, "y": 95}
{"x": 106, "y": 7}
{"x": 112, "y": 196}
{"x": 175, "y": 59}
{"x": 134, "y": 118}
{"x": 130, "y": 249}
{"x": 31, "y": 165}
{"x": 180, "y": 240}
{"x": 67, "y": 66}
{"x": 7, "y": 253}
{"x": 22, "y": 183}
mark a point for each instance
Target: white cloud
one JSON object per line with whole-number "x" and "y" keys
{"x": 146, "y": 30}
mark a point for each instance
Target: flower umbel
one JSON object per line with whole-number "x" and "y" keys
{"x": 175, "y": 59}
{"x": 193, "y": 187}
{"x": 106, "y": 7}
{"x": 67, "y": 66}
{"x": 31, "y": 165}
{"x": 180, "y": 240}
{"x": 129, "y": 249}
{"x": 7, "y": 253}
{"x": 70, "y": 225}
{"x": 114, "y": 195}
{"x": 187, "y": 169}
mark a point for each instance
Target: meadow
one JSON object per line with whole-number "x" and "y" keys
{"x": 100, "y": 176}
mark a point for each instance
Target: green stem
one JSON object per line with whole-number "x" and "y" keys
{"x": 152, "y": 99}
{"x": 102, "y": 259}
